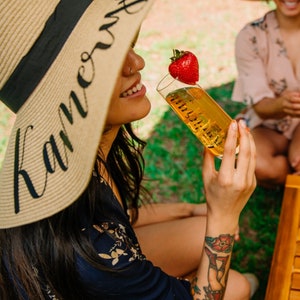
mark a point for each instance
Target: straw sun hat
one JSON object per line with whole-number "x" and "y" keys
{"x": 58, "y": 64}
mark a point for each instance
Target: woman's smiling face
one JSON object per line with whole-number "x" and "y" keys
{"x": 288, "y": 7}
{"x": 129, "y": 101}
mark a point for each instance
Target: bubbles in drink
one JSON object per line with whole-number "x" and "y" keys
{"x": 202, "y": 115}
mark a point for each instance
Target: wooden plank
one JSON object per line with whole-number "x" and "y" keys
{"x": 294, "y": 295}
{"x": 295, "y": 281}
{"x": 280, "y": 278}
{"x": 297, "y": 261}
{"x": 293, "y": 181}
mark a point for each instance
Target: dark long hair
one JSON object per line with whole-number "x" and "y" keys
{"x": 38, "y": 259}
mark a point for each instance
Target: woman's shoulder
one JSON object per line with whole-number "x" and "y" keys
{"x": 257, "y": 34}
{"x": 267, "y": 18}
{"x": 261, "y": 25}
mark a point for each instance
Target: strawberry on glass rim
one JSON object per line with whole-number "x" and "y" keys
{"x": 184, "y": 67}
{"x": 194, "y": 106}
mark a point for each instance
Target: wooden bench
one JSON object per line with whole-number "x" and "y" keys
{"x": 284, "y": 277}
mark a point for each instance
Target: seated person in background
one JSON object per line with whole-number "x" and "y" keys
{"x": 268, "y": 62}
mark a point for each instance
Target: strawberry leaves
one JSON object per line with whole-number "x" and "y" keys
{"x": 184, "y": 66}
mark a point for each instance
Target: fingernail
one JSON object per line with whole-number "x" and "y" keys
{"x": 234, "y": 125}
{"x": 242, "y": 123}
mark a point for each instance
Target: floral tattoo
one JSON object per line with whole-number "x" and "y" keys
{"x": 222, "y": 243}
{"x": 218, "y": 250}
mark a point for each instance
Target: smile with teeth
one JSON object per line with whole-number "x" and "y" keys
{"x": 290, "y": 3}
{"x": 133, "y": 90}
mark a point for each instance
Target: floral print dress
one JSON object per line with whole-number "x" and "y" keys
{"x": 264, "y": 70}
{"x": 134, "y": 276}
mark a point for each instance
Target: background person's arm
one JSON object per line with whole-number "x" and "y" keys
{"x": 288, "y": 103}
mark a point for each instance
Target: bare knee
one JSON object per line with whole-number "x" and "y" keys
{"x": 272, "y": 170}
{"x": 272, "y": 164}
{"x": 294, "y": 155}
{"x": 294, "y": 158}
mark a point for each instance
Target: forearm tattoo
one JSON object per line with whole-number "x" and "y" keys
{"x": 218, "y": 251}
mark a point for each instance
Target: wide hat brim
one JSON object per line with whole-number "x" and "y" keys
{"x": 54, "y": 141}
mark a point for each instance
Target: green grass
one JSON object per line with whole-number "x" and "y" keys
{"x": 174, "y": 157}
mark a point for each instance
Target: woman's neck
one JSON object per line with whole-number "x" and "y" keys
{"x": 107, "y": 140}
{"x": 288, "y": 24}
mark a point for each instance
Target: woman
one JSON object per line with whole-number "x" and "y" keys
{"x": 268, "y": 62}
{"x": 74, "y": 239}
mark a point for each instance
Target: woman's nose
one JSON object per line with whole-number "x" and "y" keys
{"x": 133, "y": 63}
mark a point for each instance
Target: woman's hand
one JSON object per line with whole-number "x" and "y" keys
{"x": 291, "y": 103}
{"x": 228, "y": 190}
{"x": 287, "y": 104}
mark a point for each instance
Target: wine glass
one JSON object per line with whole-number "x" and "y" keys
{"x": 202, "y": 114}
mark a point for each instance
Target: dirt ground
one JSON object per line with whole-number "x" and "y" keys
{"x": 206, "y": 27}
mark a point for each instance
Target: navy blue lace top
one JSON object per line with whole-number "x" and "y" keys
{"x": 136, "y": 278}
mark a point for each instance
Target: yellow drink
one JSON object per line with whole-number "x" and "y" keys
{"x": 205, "y": 118}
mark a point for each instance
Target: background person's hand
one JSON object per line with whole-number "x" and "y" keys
{"x": 291, "y": 103}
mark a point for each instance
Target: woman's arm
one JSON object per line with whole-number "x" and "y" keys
{"x": 227, "y": 192}
{"x": 162, "y": 212}
{"x": 288, "y": 103}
